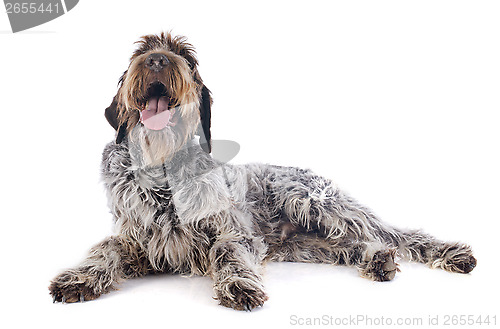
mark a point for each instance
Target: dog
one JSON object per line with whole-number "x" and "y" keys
{"x": 178, "y": 210}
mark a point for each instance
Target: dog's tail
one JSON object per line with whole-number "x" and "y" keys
{"x": 424, "y": 248}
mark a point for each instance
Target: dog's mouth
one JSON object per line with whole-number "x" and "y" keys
{"x": 158, "y": 108}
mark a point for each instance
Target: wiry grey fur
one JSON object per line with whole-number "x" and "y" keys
{"x": 190, "y": 213}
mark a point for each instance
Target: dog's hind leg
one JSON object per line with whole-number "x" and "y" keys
{"x": 373, "y": 260}
{"x": 424, "y": 248}
{"x": 109, "y": 262}
{"x": 315, "y": 203}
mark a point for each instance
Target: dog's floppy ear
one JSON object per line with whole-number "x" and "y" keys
{"x": 111, "y": 114}
{"x": 205, "y": 114}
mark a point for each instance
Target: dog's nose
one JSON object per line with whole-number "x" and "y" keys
{"x": 156, "y": 61}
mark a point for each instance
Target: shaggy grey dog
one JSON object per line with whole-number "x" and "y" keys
{"x": 178, "y": 210}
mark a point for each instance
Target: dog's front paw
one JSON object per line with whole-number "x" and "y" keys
{"x": 69, "y": 287}
{"x": 241, "y": 296}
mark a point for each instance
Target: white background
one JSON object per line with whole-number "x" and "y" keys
{"x": 397, "y": 101}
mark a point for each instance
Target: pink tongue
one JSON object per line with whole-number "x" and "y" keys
{"x": 157, "y": 115}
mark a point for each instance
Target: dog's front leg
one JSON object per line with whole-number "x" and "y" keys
{"x": 236, "y": 262}
{"x": 114, "y": 259}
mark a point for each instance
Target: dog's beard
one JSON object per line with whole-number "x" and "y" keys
{"x": 155, "y": 147}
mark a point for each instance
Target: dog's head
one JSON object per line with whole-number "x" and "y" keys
{"x": 161, "y": 101}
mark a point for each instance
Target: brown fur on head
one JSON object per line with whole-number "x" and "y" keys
{"x": 178, "y": 80}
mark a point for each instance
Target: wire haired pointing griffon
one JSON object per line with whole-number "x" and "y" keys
{"x": 178, "y": 210}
